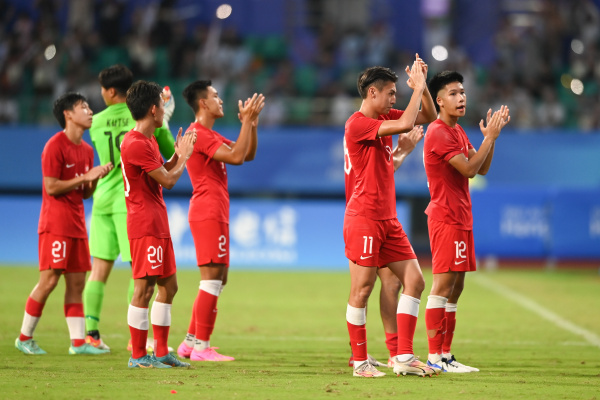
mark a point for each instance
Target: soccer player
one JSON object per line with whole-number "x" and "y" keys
{"x": 69, "y": 177}
{"x": 390, "y": 284}
{"x": 450, "y": 160}
{"x": 372, "y": 233}
{"x": 108, "y": 228}
{"x": 209, "y": 206}
{"x": 152, "y": 256}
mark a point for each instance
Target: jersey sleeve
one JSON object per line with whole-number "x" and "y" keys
{"x": 362, "y": 128}
{"x": 446, "y": 144}
{"x": 208, "y": 142}
{"x": 166, "y": 142}
{"x": 52, "y": 160}
{"x": 144, "y": 156}
{"x": 395, "y": 114}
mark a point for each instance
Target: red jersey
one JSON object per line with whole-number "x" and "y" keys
{"x": 210, "y": 198}
{"x": 146, "y": 209}
{"x": 370, "y": 157}
{"x": 449, "y": 189}
{"x": 63, "y": 215}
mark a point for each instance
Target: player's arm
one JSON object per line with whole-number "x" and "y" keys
{"x": 184, "y": 146}
{"x": 236, "y": 152}
{"x": 428, "y": 113}
{"x": 56, "y": 187}
{"x": 406, "y": 144}
{"x": 253, "y": 142}
{"x": 485, "y": 167}
{"x": 472, "y": 166}
{"x": 416, "y": 81}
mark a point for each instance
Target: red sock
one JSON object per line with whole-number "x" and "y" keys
{"x": 213, "y": 318}
{"x": 406, "y": 331}
{"x": 138, "y": 342}
{"x": 450, "y": 325}
{"x": 358, "y": 341}
{"x": 76, "y": 322}
{"x": 435, "y": 323}
{"x": 391, "y": 342}
{"x": 33, "y": 309}
{"x": 192, "y": 327}
{"x": 161, "y": 335}
{"x": 204, "y": 315}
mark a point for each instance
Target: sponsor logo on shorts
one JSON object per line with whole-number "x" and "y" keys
{"x": 221, "y": 255}
{"x": 156, "y": 266}
{"x": 69, "y": 165}
{"x": 59, "y": 260}
{"x": 364, "y": 258}
{"x": 459, "y": 262}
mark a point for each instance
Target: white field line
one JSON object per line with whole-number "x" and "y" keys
{"x": 531, "y": 305}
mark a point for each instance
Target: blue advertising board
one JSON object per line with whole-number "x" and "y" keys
{"x": 264, "y": 234}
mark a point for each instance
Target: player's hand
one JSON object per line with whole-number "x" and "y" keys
{"x": 424, "y": 66}
{"x": 251, "y": 108}
{"x": 184, "y": 145}
{"x": 255, "y": 122}
{"x": 99, "y": 171}
{"x": 416, "y": 79}
{"x": 495, "y": 122}
{"x": 408, "y": 141}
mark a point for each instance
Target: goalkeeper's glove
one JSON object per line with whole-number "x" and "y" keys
{"x": 169, "y": 105}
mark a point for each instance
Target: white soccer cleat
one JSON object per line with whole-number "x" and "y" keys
{"x": 371, "y": 359}
{"x": 366, "y": 370}
{"x": 412, "y": 367}
{"x": 451, "y": 365}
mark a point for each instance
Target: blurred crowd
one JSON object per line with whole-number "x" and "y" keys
{"x": 308, "y": 74}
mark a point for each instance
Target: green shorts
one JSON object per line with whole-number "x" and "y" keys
{"x": 108, "y": 237}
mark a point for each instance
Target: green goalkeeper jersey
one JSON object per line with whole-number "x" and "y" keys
{"x": 107, "y": 131}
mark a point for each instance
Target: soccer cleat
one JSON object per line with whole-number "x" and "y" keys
{"x": 437, "y": 367}
{"x": 147, "y": 361}
{"x": 371, "y": 359}
{"x": 412, "y": 367}
{"x": 366, "y": 370}
{"x": 451, "y": 365}
{"x": 209, "y": 354}
{"x": 171, "y": 360}
{"x": 97, "y": 343}
{"x": 184, "y": 351}
{"x": 86, "y": 348}
{"x": 390, "y": 363}
{"x": 29, "y": 347}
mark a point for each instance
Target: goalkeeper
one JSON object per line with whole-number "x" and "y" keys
{"x": 108, "y": 228}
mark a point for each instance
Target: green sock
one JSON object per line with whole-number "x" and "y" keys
{"x": 93, "y": 294}
{"x": 130, "y": 291}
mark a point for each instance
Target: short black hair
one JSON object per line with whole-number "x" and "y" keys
{"x": 141, "y": 96}
{"x": 66, "y": 102}
{"x": 374, "y": 76}
{"x": 195, "y": 91}
{"x": 116, "y": 76}
{"x": 439, "y": 81}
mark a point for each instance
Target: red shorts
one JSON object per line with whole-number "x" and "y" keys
{"x": 152, "y": 256}
{"x": 66, "y": 253}
{"x": 211, "y": 239}
{"x": 373, "y": 243}
{"x": 452, "y": 249}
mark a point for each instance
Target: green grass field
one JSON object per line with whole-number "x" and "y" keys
{"x": 288, "y": 333}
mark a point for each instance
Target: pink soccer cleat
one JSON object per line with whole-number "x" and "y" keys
{"x": 209, "y": 354}
{"x": 184, "y": 351}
